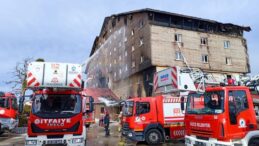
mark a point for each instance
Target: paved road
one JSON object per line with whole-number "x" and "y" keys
{"x": 95, "y": 137}
{"x": 9, "y": 139}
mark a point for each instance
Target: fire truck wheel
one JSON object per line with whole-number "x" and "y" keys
{"x": 153, "y": 137}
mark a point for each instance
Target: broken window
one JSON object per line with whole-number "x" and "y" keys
{"x": 132, "y": 48}
{"x": 226, "y": 44}
{"x": 102, "y": 109}
{"x": 204, "y": 41}
{"x": 188, "y": 23}
{"x": 125, "y": 21}
{"x": 202, "y": 25}
{"x": 141, "y": 23}
{"x": 177, "y": 21}
{"x": 126, "y": 67}
{"x": 162, "y": 19}
{"x": 133, "y": 64}
{"x": 178, "y": 37}
{"x": 113, "y": 22}
{"x": 205, "y": 58}
{"x": 228, "y": 61}
{"x": 178, "y": 55}
{"x": 141, "y": 41}
{"x": 141, "y": 59}
{"x": 132, "y": 32}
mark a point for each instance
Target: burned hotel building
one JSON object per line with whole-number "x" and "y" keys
{"x": 133, "y": 45}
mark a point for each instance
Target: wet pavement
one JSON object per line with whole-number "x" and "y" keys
{"x": 96, "y": 137}
{"x": 10, "y": 139}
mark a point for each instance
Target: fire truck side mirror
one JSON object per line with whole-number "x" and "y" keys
{"x": 182, "y": 103}
{"x": 21, "y": 101}
{"x": 91, "y": 104}
{"x": 257, "y": 89}
{"x": 83, "y": 84}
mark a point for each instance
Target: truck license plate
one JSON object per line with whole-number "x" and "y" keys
{"x": 197, "y": 143}
{"x": 54, "y": 142}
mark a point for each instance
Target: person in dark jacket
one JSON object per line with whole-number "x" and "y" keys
{"x": 106, "y": 121}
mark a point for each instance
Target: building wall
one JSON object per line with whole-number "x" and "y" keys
{"x": 113, "y": 111}
{"x": 121, "y": 53}
{"x": 129, "y": 72}
{"x": 164, "y": 49}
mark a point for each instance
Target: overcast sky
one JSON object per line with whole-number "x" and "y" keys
{"x": 64, "y": 30}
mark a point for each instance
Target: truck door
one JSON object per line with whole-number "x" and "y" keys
{"x": 238, "y": 112}
{"x": 143, "y": 114}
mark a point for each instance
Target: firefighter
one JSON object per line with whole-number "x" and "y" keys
{"x": 106, "y": 121}
{"x": 214, "y": 102}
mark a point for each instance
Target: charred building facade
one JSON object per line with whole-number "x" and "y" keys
{"x": 133, "y": 45}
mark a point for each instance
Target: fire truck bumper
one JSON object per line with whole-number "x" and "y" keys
{"x": 133, "y": 135}
{"x": 193, "y": 141}
{"x": 67, "y": 140}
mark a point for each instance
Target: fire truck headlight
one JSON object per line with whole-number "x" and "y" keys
{"x": 31, "y": 142}
{"x": 187, "y": 141}
{"x": 77, "y": 140}
{"x": 130, "y": 134}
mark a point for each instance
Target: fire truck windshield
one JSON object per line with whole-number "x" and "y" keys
{"x": 4, "y": 102}
{"x": 56, "y": 105}
{"x": 208, "y": 103}
{"x": 128, "y": 108}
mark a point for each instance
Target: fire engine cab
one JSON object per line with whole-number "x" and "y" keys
{"x": 221, "y": 116}
{"x": 8, "y": 112}
{"x": 56, "y": 116}
{"x": 160, "y": 118}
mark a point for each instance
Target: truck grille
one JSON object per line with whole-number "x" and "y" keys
{"x": 201, "y": 133}
{"x": 36, "y": 129}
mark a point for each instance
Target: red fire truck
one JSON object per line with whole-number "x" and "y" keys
{"x": 160, "y": 118}
{"x": 89, "y": 114}
{"x": 221, "y": 116}
{"x": 8, "y": 112}
{"x": 56, "y": 116}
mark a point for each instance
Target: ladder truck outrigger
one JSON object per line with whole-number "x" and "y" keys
{"x": 161, "y": 118}
{"x": 56, "y": 116}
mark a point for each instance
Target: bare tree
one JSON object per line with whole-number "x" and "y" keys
{"x": 19, "y": 73}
